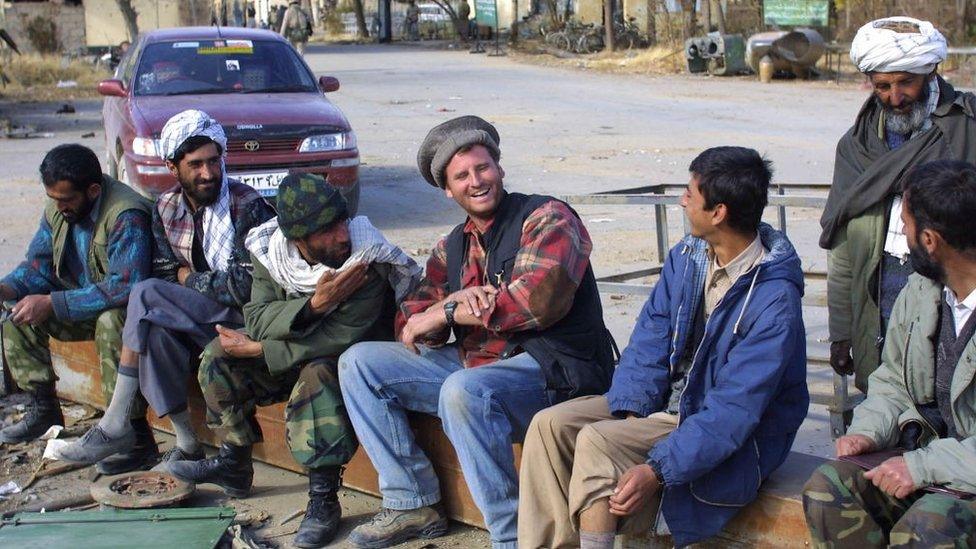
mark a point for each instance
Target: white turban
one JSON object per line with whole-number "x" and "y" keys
{"x": 185, "y": 125}
{"x": 877, "y": 47}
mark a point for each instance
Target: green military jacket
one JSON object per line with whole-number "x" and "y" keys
{"x": 290, "y": 339}
{"x": 906, "y": 379}
{"x": 115, "y": 199}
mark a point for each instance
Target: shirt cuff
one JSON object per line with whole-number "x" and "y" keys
{"x": 60, "y": 304}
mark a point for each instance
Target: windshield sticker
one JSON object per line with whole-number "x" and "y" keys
{"x": 186, "y": 44}
{"x": 224, "y": 47}
{"x": 233, "y": 65}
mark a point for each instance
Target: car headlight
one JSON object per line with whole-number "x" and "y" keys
{"x": 329, "y": 142}
{"x": 145, "y": 146}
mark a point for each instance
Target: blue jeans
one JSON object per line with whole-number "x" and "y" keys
{"x": 483, "y": 410}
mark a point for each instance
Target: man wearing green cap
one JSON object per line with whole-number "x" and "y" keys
{"x": 514, "y": 284}
{"x": 321, "y": 283}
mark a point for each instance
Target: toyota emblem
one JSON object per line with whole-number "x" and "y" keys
{"x": 251, "y": 145}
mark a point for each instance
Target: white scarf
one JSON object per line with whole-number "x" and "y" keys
{"x": 289, "y": 269}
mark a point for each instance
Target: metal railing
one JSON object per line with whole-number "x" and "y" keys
{"x": 840, "y": 403}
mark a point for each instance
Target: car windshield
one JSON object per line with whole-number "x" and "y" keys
{"x": 221, "y": 66}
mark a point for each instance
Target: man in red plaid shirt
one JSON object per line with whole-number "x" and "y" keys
{"x": 514, "y": 286}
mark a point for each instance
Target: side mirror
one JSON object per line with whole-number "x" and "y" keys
{"x": 327, "y": 83}
{"x": 112, "y": 88}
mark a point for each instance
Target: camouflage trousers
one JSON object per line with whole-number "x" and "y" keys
{"x": 28, "y": 350}
{"x": 318, "y": 430}
{"x": 844, "y": 509}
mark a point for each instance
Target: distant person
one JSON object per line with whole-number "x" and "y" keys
{"x": 93, "y": 245}
{"x": 707, "y": 397}
{"x": 919, "y": 407}
{"x": 464, "y": 20}
{"x": 296, "y": 26}
{"x": 913, "y": 116}
{"x": 413, "y": 21}
{"x": 117, "y": 54}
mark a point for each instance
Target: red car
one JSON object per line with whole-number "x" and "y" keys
{"x": 273, "y": 110}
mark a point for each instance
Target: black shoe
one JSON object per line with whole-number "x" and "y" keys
{"x": 231, "y": 469}
{"x": 43, "y": 411}
{"x": 175, "y": 454}
{"x": 322, "y": 515}
{"x": 143, "y": 455}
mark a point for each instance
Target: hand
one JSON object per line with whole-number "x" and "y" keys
{"x": 182, "y": 274}
{"x": 238, "y": 344}
{"x": 478, "y": 300}
{"x": 840, "y": 357}
{"x": 33, "y": 310}
{"x": 853, "y": 445}
{"x": 634, "y": 490}
{"x": 333, "y": 288}
{"x": 420, "y": 325}
{"x": 892, "y": 477}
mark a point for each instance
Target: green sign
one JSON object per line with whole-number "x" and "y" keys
{"x": 486, "y": 13}
{"x": 796, "y": 13}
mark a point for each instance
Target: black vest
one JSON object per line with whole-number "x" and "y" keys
{"x": 575, "y": 353}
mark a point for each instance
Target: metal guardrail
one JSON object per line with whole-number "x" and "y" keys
{"x": 840, "y": 404}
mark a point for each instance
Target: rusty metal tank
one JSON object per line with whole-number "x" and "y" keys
{"x": 795, "y": 51}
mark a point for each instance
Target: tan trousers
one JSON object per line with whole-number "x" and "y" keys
{"x": 573, "y": 454}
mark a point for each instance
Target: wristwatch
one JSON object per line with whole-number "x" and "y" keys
{"x": 449, "y": 308}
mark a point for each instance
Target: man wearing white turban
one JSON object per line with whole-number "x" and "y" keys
{"x": 912, "y": 117}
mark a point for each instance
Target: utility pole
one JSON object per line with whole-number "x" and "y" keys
{"x": 608, "y": 24}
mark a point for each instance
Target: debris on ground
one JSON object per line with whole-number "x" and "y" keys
{"x": 9, "y": 488}
{"x": 66, "y": 108}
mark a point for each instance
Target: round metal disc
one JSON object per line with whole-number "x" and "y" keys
{"x": 140, "y": 490}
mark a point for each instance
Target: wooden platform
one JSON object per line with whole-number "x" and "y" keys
{"x": 774, "y": 520}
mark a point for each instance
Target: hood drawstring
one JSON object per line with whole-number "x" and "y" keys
{"x": 735, "y": 328}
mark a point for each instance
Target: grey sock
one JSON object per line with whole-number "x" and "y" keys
{"x": 596, "y": 540}
{"x": 115, "y": 422}
{"x": 186, "y": 439}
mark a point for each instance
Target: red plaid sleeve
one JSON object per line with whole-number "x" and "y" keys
{"x": 554, "y": 254}
{"x": 432, "y": 288}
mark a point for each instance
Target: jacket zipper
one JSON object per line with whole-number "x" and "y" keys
{"x": 908, "y": 388}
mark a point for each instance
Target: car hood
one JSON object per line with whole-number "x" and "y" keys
{"x": 237, "y": 109}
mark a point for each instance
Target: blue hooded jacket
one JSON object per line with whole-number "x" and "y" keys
{"x": 746, "y": 392}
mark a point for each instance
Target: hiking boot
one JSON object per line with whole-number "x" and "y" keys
{"x": 96, "y": 445}
{"x": 322, "y": 515}
{"x": 231, "y": 469}
{"x": 43, "y": 411}
{"x": 391, "y": 526}
{"x": 140, "y": 456}
{"x": 177, "y": 454}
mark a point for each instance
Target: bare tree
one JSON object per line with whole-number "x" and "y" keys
{"x": 129, "y": 15}
{"x": 688, "y": 19}
{"x": 357, "y": 6}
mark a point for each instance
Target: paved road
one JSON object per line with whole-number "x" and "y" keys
{"x": 563, "y": 131}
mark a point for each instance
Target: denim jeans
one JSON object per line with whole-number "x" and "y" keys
{"x": 483, "y": 410}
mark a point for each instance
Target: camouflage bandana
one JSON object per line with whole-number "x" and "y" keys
{"x": 306, "y": 204}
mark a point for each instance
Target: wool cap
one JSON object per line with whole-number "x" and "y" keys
{"x": 446, "y": 139}
{"x": 306, "y": 204}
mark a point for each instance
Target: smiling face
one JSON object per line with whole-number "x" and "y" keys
{"x": 200, "y": 174}
{"x": 474, "y": 180}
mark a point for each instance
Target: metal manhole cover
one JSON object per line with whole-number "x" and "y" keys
{"x": 140, "y": 490}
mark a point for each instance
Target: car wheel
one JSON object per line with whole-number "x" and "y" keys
{"x": 351, "y": 194}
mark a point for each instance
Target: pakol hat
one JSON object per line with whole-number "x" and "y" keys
{"x": 444, "y": 140}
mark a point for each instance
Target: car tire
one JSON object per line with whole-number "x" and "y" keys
{"x": 351, "y": 194}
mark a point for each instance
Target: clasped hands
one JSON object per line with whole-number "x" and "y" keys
{"x": 475, "y": 305}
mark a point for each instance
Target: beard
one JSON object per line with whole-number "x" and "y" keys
{"x": 923, "y": 264}
{"x": 332, "y": 257}
{"x": 202, "y": 196}
{"x": 911, "y": 121}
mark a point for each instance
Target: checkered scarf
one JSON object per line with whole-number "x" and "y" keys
{"x": 290, "y": 271}
{"x": 218, "y": 229}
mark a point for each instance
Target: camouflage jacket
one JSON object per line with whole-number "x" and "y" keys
{"x": 905, "y": 380}
{"x": 292, "y": 335}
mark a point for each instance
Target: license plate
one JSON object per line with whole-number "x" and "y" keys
{"x": 264, "y": 183}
